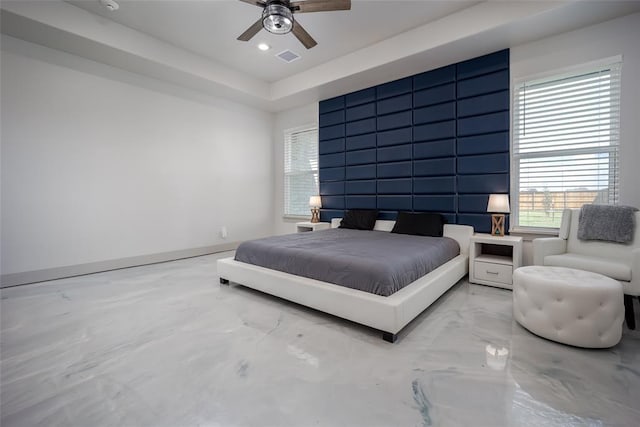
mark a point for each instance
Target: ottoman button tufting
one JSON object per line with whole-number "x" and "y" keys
{"x": 583, "y": 291}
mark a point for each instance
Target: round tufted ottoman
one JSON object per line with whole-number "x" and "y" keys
{"x": 570, "y": 306}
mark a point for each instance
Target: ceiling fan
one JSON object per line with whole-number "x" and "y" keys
{"x": 277, "y": 17}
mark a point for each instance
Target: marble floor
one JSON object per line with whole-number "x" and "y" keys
{"x": 166, "y": 345}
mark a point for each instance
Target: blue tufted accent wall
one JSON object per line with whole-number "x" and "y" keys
{"x": 437, "y": 141}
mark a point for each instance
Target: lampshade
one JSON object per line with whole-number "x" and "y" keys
{"x": 315, "y": 202}
{"x": 498, "y": 203}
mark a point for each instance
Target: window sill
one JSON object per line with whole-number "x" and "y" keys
{"x": 529, "y": 234}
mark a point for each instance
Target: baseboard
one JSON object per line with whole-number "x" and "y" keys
{"x": 28, "y": 277}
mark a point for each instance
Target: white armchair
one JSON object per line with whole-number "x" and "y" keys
{"x": 616, "y": 260}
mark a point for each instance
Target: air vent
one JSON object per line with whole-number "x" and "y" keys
{"x": 288, "y": 56}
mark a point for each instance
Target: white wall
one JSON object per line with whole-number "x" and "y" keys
{"x": 295, "y": 117}
{"x": 100, "y": 164}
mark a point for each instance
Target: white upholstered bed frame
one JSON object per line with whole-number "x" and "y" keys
{"x": 387, "y": 314}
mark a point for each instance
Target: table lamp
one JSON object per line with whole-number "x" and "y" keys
{"x": 498, "y": 206}
{"x": 315, "y": 203}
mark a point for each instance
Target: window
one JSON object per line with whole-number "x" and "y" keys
{"x": 300, "y": 169}
{"x": 565, "y": 144}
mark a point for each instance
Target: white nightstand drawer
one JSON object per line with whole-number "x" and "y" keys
{"x": 493, "y": 272}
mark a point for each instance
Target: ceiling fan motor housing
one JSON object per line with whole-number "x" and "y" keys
{"x": 277, "y": 18}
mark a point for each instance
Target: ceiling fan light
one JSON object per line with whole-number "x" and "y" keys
{"x": 277, "y": 19}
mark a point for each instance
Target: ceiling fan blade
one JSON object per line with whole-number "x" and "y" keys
{"x": 255, "y": 2}
{"x": 302, "y": 35}
{"x": 251, "y": 31}
{"x": 319, "y": 5}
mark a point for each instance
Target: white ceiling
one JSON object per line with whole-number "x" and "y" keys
{"x": 193, "y": 44}
{"x": 210, "y": 28}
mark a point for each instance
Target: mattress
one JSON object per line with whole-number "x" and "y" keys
{"x": 377, "y": 262}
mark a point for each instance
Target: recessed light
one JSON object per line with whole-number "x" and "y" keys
{"x": 264, "y": 46}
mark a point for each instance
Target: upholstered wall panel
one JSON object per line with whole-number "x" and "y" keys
{"x": 400, "y": 203}
{"x": 392, "y": 105}
{"x": 332, "y": 118}
{"x": 361, "y": 141}
{"x": 360, "y": 112}
{"x": 360, "y": 202}
{"x": 483, "y": 84}
{"x": 432, "y": 149}
{"x": 431, "y": 131}
{"x": 331, "y": 105}
{"x": 394, "y": 186}
{"x": 394, "y": 153}
{"x": 332, "y": 146}
{"x": 479, "y": 144}
{"x": 331, "y": 132}
{"x": 437, "y": 141}
{"x": 436, "y": 167}
{"x": 332, "y": 160}
{"x": 331, "y": 174}
{"x": 366, "y": 186}
{"x": 332, "y": 188}
{"x": 361, "y": 157}
{"x": 360, "y": 97}
{"x": 434, "y": 78}
{"x": 434, "y": 113}
{"x": 394, "y": 170}
{"x": 333, "y": 202}
{"x": 397, "y": 87}
{"x": 394, "y": 121}
{"x": 434, "y": 95}
{"x": 361, "y": 126}
{"x": 436, "y": 185}
{"x": 487, "y": 183}
{"x": 361, "y": 172}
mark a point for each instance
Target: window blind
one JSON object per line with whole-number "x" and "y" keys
{"x": 300, "y": 169}
{"x": 565, "y": 144}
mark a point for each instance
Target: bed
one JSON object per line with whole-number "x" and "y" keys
{"x": 388, "y": 314}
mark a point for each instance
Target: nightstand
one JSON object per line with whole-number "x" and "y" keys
{"x": 302, "y": 227}
{"x": 492, "y": 259}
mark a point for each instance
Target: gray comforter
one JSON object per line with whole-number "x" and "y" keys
{"x": 378, "y": 262}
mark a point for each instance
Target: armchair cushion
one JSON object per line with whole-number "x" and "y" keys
{"x": 608, "y": 267}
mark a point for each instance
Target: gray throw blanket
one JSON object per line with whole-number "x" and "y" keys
{"x": 606, "y": 222}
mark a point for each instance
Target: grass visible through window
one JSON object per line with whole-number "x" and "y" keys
{"x": 540, "y": 218}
